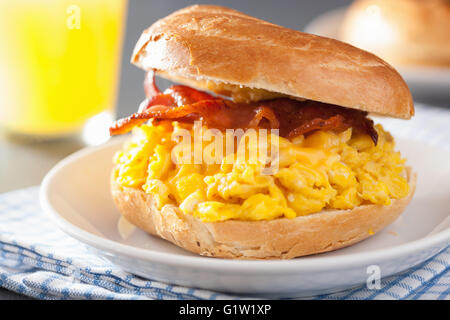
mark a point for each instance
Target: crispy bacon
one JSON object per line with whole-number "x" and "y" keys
{"x": 302, "y": 117}
{"x": 209, "y": 110}
{"x": 183, "y": 95}
{"x": 267, "y": 113}
{"x": 125, "y": 125}
{"x": 150, "y": 87}
{"x": 333, "y": 123}
{"x": 291, "y": 117}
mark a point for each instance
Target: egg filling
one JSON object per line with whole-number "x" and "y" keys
{"x": 323, "y": 170}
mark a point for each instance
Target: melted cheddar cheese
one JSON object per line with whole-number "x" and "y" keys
{"x": 324, "y": 170}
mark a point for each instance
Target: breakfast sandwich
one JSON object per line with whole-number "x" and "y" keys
{"x": 264, "y": 149}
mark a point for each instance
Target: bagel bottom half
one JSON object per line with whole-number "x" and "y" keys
{"x": 281, "y": 238}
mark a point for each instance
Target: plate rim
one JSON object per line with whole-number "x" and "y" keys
{"x": 301, "y": 264}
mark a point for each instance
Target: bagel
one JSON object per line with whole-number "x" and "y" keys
{"x": 340, "y": 181}
{"x": 281, "y": 238}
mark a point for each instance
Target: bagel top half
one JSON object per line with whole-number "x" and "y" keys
{"x": 210, "y": 43}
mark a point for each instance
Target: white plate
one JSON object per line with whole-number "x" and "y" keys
{"x": 76, "y": 194}
{"x": 423, "y": 81}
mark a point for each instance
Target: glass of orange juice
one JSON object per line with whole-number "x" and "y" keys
{"x": 59, "y": 64}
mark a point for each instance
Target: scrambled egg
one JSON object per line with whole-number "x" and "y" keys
{"x": 324, "y": 170}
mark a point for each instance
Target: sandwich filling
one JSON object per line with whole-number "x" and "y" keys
{"x": 327, "y": 157}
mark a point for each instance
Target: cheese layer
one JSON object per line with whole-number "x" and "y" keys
{"x": 324, "y": 170}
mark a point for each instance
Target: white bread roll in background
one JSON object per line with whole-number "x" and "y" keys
{"x": 403, "y": 32}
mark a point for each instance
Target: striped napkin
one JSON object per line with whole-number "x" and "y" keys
{"x": 39, "y": 260}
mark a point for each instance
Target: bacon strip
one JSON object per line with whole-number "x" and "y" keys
{"x": 291, "y": 117}
{"x": 209, "y": 110}
{"x": 186, "y": 95}
{"x": 332, "y": 123}
{"x": 261, "y": 113}
{"x": 125, "y": 125}
{"x": 150, "y": 87}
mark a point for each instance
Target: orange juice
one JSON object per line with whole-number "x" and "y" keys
{"x": 59, "y": 63}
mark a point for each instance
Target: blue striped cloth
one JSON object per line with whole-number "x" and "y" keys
{"x": 39, "y": 260}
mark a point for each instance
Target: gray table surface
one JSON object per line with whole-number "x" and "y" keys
{"x": 24, "y": 163}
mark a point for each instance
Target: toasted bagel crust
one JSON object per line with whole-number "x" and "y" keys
{"x": 205, "y": 42}
{"x": 280, "y": 238}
